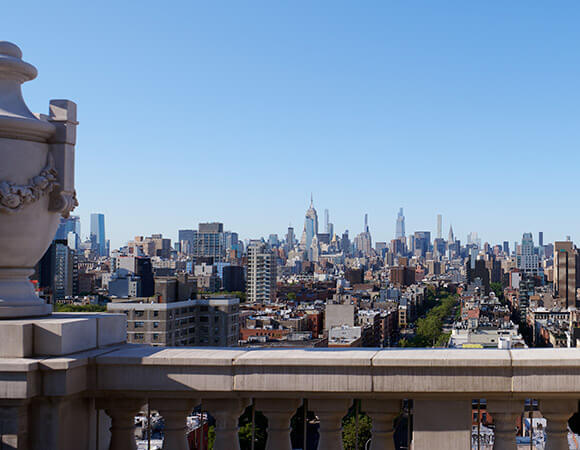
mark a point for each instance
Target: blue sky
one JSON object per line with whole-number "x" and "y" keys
{"x": 236, "y": 111}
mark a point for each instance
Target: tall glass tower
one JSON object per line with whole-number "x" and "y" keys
{"x": 98, "y": 231}
{"x": 400, "y": 232}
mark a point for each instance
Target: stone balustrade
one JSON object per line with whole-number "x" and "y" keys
{"x": 88, "y": 399}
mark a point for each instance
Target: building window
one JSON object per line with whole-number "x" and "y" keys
{"x": 155, "y": 313}
{"x": 139, "y": 324}
{"x": 155, "y": 324}
{"x": 139, "y": 313}
{"x": 155, "y": 337}
{"x": 139, "y": 336}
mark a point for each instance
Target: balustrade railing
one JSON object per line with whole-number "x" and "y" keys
{"x": 74, "y": 391}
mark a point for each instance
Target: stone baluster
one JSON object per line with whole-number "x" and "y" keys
{"x": 122, "y": 413}
{"x": 226, "y": 412}
{"x": 557, "y": 413}
{"x": 382, "y": 412}
{"x": 278, "y": 412}
{"x": 505, "y": 413}
{"x": 330, "y": 412}
{"x": 175, "y": 411}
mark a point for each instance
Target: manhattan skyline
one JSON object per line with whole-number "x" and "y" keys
{"x": 464, "y": 110}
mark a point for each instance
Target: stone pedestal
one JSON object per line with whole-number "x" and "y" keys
{"x": 17, "y": 296}
{"x": 60, "y": 334}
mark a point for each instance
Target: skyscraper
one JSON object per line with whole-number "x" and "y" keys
{"x": 541, "y": 238}
{"x": 290, "y": 238}
{"x": 326, "y": 221}
{"x": 450, "y": 237}
{"x": 210, "y": 242}
{"x": 261, "y": 281}
{"x": 186, "y": 239}
{"x": 565, "y": 272}
{"x": 57, "y": 271}
{"x": 439, "y": 226}
{"x": 98, "y": 231}
{"x": 69, "y": 230}
{"x": 400, "y": 231}
{"x": 67, "y": 225}
{"x": 310, "y": 226}
{"x": 422, "y": 241}
{"x": 527, "y": 261}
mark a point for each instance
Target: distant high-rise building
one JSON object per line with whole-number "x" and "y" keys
{"x": 506, "y": 247}
{"x": 233, "y": 279}
{"x": 57, "y": 271}
{"x": 400, "y": 231}
{"x": 261, "y": 279}
{"x": 439, "y": 226}
{"x": 69, "y": 230}
{"x": 450, "y": 237}
{"x": 139, "y": 266}
{"x": 210, "y": 242}
{"x": 186, "y": 239}
{"x": 310, "y": 226}
{"x": 290, "y": 238}
{"x": 527, "y": 260}
{"x": 326, "y": 221}
{"x": 98, "y": 231}
{"x": 273, "y": 240}
{"x": 154, "y": 245}
{"x": 345, "y": 243}
{"x": 67, "y": 225}
{"x": 422, "y": 241}
{"x": 363, "y": 242}
{"x": 541, "y": 239}
{"x": 565, "y": 257}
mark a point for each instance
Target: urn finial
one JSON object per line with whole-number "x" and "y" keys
{"x": 36, "y": 183}
{"x": 16, "y": 120}
{"x": 10, "y": 49}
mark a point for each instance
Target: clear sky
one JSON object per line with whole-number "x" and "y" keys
{"x": 236, "y": 111}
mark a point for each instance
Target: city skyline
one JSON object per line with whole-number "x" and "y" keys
{"x": 444, "y": 109}
{"x": 463, "y": 236}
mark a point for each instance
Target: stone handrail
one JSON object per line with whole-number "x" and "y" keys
{"x": 119, "y": 379}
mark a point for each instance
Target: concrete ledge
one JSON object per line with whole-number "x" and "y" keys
{"x": 111, "y": 328}
{"x": 418, "y": 374}
{"x": 425, "y": 357}
{"x": 167, "y": 369}
{"x": 20, "y": 378}
{"x": 304, "y": 370}
{"x": 56, "y": 336}
{"x": 16, "y": 337}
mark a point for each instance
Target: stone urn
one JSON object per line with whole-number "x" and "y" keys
{"x": 36, "y": 183}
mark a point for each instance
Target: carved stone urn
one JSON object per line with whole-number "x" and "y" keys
{"x": 36, "y": 183}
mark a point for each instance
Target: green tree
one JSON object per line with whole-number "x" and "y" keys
{"x": 442, "y": 340}
{"x": 245, "y": 435}
{"x": 210, "y": 437}
{"x": 404, "y": 343}
{"x": 497, "y": 289}
{"x": 349, "y": 431}
{"x": 64, "y": 307}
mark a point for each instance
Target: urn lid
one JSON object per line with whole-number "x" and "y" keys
{"x": 16, "y": 120}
